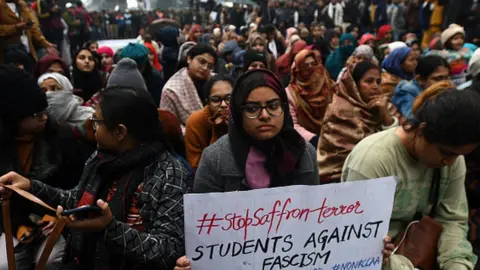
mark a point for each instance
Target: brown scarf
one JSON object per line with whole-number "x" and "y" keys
{"x": 312, "y": 93}
{"x": 347, "y": 122}
{"x": 25, "y": 145}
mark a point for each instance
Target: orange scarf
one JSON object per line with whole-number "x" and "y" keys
{"x": 312, "y": 93}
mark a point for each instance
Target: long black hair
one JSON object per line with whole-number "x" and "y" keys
{"x": 88, "y": 82}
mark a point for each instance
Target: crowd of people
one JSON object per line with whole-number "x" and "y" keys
{"x": 282, "y": 94}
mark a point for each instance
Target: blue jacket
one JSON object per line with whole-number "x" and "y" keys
{"x": 404, "y": 95}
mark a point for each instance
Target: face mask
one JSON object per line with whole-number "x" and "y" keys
{"x": 347, "y": 50}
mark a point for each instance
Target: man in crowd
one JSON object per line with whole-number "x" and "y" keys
{"x": 19, "y": 29}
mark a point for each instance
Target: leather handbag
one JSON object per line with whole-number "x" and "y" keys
{"x": 7, "y": 227}
{"x": 419, "y": 241}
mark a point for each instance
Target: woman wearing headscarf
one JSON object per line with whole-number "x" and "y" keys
{"x": 284, "y": 62}
{"x": 86, "y": 75}
{"x": 309, "y": 93}
{"x": 63, "y": 105}
{"x": 262, "y": 148}
{"x": 399, "y": 65}
{"x": 361, "y": 53}
{"x": 358, "y": 109}
{"x": 337, "y": 60}
{"x": 195, "y": 33}
{"x": 256, "y": 42}
{"x": 50, "y": 64}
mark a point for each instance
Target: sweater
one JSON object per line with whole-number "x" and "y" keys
{"x": 383, "y": 154}
{"x": 200, "y": 132}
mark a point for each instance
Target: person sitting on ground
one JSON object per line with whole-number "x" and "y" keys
{"x": 445, "y": 126}
{"x": 134, "y": 180}
{"x": 358, "y": 109}
{"x": 183, "y": 93}
{"x": 206, "y": 126}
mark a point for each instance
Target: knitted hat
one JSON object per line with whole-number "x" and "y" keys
{"x": 363, "y": 50}
{"x": 451, "y": 31}
{"x": 366, "y": 38}
{"x": 253, "y": 56}
{"x": 105, "y": 50}
{"x": 126, "y": 74}
{"x": 474, "y": 64}
{"x": 20, "y": 96}
{"x": 137, "y": 52}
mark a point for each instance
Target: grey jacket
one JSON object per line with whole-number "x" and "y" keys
{"x": 218, "y": 172}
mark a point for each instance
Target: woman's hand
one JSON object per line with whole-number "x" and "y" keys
{"x": 183, "y": 264}
{"x": 379, "y": 105}
{"x": 96, "y": 224}
{"x": 14, "y": 179}
{"x": 388, "y": 248}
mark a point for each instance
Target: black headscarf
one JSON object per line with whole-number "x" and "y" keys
{"x": 283, "y": 152}
{"x": 89, "y": 82}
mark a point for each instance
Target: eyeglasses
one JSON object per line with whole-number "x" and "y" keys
{"x": 205, "y": 64}
{"x": 254, "y": 110}
{"x": 95, "y": 122}
{"x": 39, "y": 114}
{"x": 217, "y": 100}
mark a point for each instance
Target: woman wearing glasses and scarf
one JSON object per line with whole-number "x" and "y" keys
{"x": 206, "y": 126}
{"x": 262, "y": 148}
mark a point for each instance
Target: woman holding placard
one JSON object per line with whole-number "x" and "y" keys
{"x": 445, "y": 126}
{"x": 262, "y": 149}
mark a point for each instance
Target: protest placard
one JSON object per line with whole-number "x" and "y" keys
{"x": 329, "y": 227}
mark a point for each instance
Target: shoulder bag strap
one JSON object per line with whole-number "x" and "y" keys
{"x": 434, "y": 192}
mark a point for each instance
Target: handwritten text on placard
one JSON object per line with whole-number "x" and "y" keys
{"x": 338, "y": 226}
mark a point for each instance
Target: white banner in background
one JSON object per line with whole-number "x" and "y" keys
{"x": 329, "y": 227}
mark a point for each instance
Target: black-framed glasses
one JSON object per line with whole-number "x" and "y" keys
{"x": 253, "y": 110}
{"x": 95, "y": 122}
{"x": 217, "y": 100}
